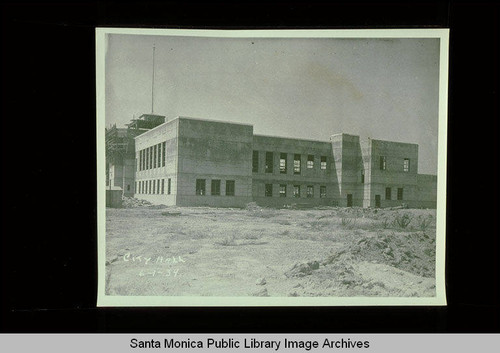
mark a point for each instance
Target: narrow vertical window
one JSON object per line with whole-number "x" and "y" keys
{"x": 162, "y": 186}
{"x": 229, "y": 187}
{"x": 158, "y": 187}
{"x": 255, "y": 162}
{"x": 322, "y": 191}
{"x": 400, "y": 193}
{"x": 406, "y": 165}
{"x": 323, "y": 162}
{"x": 215, "y": 189}
{"x": 362, "y": 176}
{"x": 135, "y": 187}
{"x": 296, "y": 191}
{"x": 387, "y": 193}
{"x": 142, "y": 159}
{"x": 282, "y": 190}
{"x": 164, "y": 153}
{"x": 154, "y": 186}
{"x": 200, "y": 187}
{"x": 146, "y": 160}
{"x": 382, "y": 163}
{"x": 283, "y": 163}
{"x": 269, "y": 162}
{"x": 269, "y": 190}
{"x": 155, "y": 147}
{"x": 159, "y": 155}
{"x": 151, "y": 157}
{"x": 168, "y": 186}
{"x": 310, "y": 161}
{"x": 149, "y": 185}
{"x": 296, "y": 164}
{"x": 310, "y": 191}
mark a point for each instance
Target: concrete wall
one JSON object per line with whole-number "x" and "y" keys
{"x": 214, "y": 150}
{"x": 393, "y": 176}
{"x": 315, "y": 176}
{"x": 168, "y": 133}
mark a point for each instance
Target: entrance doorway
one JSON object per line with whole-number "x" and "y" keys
{"x": 377, "y": 201}
{"x": 349, "y": 200}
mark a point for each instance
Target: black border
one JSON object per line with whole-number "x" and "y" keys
{"x": 49, "y": 241}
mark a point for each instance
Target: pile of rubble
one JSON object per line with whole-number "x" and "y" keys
{"x": 131, "y": 202}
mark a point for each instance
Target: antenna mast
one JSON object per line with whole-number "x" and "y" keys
{"x": 153, "y": 81}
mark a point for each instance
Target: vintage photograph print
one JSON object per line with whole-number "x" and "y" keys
{"x": 271, "y": 167}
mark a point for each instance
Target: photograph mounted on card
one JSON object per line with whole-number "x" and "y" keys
{"x": 271, "y": 167}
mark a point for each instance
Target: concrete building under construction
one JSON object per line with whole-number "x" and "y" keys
{"x": 194, "y": 162}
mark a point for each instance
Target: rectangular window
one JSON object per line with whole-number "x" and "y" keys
{"x": 162, "y": 186}
{"x": 269, "y": 162}
{"x": 322, "y": 191}
{"x": 143, "y": 162}
{"x": 323, "y": 162}
{"x": 406, "y": 165}
{"x": 400, "y": 193}
{"x": 200, "y": 187}
{"x": 296, "y": 191}
{"x": 282, "y": 190}
{"x": 150, "y": 187}
{"x": 362, "y": 176}
{"x": 151, "y": 157}
{"x": 387, "y": 193}
{"x": 164, "y": 153}
{"x": 255, "y": 162}
{"x": 159, "y": 155}
{"x": 296, "y": 164}
{"x": 168, "y": 186}
{"x": 158, "y": 187}
{"x": 146, "y": 160}
{"x": 155, "y": 147}
{"x": 154, "y": 187}
{"x": 310, "y": 161}
{"x": 382, "y": 163}
{"x": 310, "y": 191}
{"x": 215, "y": 187}
{"x": 283, "y": 163}
{"x": 269, "y": 190}
{"x": 229, "y": 187}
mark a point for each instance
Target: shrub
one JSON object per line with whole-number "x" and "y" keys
{"x": 402, "y": 220}
{"x": 424, "y": 222}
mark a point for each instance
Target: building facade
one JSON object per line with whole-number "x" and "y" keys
{"x": 194, "y": 162}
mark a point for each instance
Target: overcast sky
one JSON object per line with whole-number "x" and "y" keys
{"x": 305, "y": 88}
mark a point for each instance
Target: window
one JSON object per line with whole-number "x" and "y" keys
{"x": 168, "y": 186}
{"x": 269, "y": 162}
{"x": 155, "y": 147}
{"x": 296, "y": 191}
{"x": 310, "y": 191}
{"x": 255, "y": 162}
{"x": 269, "y": 190}
{"x": 362, "y": 176}
{"x": 322, "y": 191}
{"x": 283, "y": 163}
{"x": 282, "y": 190}
{"x": 149, "y": 182}
{"x": 229, "y": 187}
{"x": 143, "y": 160}
{"x": 323, "y": 162}
{"x": 141, "y": 187}
{"x": 400, "y": 193}
{"x": 159, "y": 155}
{"x": 406, "y": 165}
{"x": 158, "y": 186}
{"x": 200, "y": 187}
{"x": 382, "y": 163}
{"x": 216, "y": 187}
{"x": 151, "y": 157}
{"x": 163, "y": 153}
{"x": 296, "y": 164}
{"x": 162, "y": 186}
{"x": 387, "y": 193}
{"x": 146, "y": 161}
{"x": 310, "y": 161}
{"x": 128, "y": 187}
{"x": 135, "y": 187}
{"x": 154, "y": 187}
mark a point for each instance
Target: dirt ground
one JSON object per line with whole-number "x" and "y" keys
{"x": 338, "y": 252}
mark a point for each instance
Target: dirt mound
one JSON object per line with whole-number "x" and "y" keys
{"x": 302, "y": 269}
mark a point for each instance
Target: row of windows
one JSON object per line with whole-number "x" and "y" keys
{"x": 383, "y": 164}
{"x": 156, "y": 186}
{"x": 388, "y": 194}
{"x": 152, "y": 157}
{"x": 201, "y": 189}
{"x": 283, "y": 162}
{"x": 296, "y": 191}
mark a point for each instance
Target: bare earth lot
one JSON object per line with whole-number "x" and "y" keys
{"x": 169, "y": 251}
